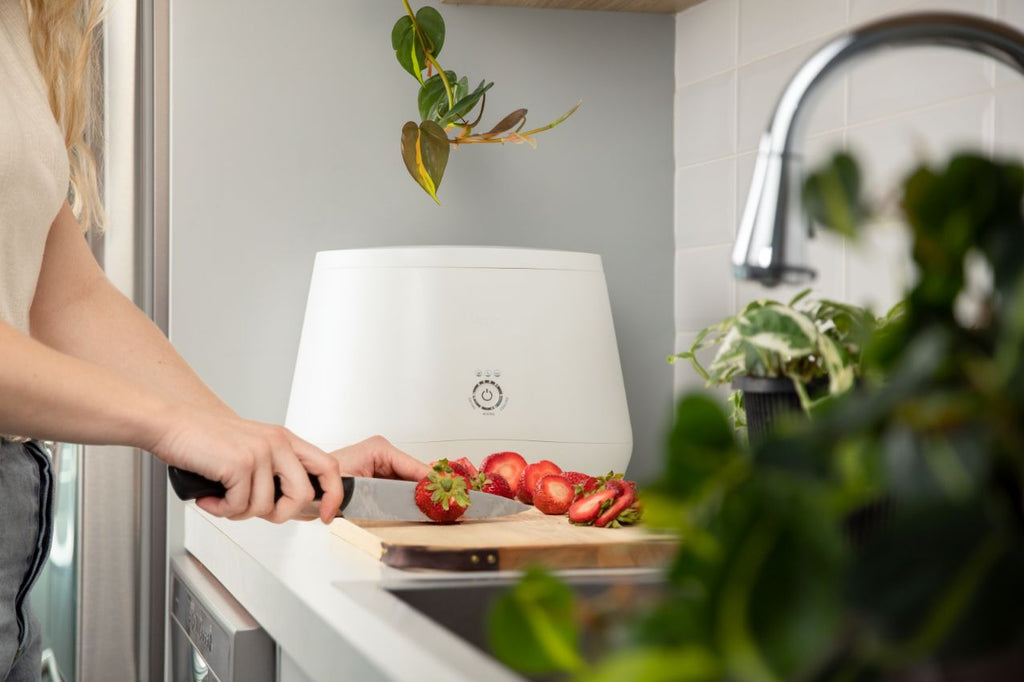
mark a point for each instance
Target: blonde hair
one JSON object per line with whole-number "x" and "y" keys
{"x": 62, "y": 34}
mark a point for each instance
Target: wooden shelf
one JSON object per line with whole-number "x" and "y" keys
{"x": 651, "y": 6}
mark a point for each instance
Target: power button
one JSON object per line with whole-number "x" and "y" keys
{"x": 487, "y": 395}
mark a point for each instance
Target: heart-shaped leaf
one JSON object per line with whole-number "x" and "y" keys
{"x": 407, "y": 49}
{"x": 401, "y": 27}
{"x": 425, "y": 150}
{"x": 432, "y": 29}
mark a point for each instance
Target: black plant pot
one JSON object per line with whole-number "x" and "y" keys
{"x": 765, "y": 400}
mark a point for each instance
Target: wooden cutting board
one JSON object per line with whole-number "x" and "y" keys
{"x": 529, "y": 538}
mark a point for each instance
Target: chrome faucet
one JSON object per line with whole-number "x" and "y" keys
{"x": 770, "y": 246}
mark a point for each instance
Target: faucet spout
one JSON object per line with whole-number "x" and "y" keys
{"x": 770, "y": 246}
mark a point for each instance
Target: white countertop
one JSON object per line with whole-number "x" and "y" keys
{"x": 322, "y": 600}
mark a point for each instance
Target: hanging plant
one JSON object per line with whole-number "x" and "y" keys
{"x": 446, "y": 103}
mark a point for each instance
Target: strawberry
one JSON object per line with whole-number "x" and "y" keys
{"x": 443, "y": 495}
{"x": 584, "y": 511}
{"x": 508, "y": 465}
{"x": 582, "y": 483}
{"x": 471, "y": 471}
{"x": 618, "y": 485}
{"x": 554, "y": 495}
{"x": 459, "y": 468}
{"x": 531, "y": 477}
{"x": 622, "y": 503}
{"x": 494, "y": 484}
{"x": 631, "y": 515}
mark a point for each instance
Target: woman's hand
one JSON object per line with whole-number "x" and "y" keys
{"x": 245, "y": 456}
{"x": 377, "y": 458}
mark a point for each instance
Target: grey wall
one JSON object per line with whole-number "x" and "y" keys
{"x": 285, "y": 127}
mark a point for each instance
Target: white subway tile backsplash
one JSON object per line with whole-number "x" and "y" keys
{"x": 704, "y": 286}
{"x": 826, "y": 255}
{"x": 1009, "y": 122}
{"x": 862, "y": 11}
{"x": 879, "y": 269}
{"x": 901, "y": 80}
{"x": 820, "y": 148}
{"x": 685, "y": 376}
{"x": 744, "y": 173}
{"x": 705, "y": 119}
{"x": 769, "y": 27}
{"x": 704, "y": 203}
{"x": 761, "y": 83}
{"x": 894, "y": 110}
{"x": 1010, "y": 12}
{"x": 705, "y": 40}
{"x": 888, "y": 149}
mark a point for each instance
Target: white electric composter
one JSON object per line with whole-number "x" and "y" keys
{"x": 461, "y": 352}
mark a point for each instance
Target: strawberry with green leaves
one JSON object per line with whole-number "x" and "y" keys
{"x": 584, "y": 511}
{"x": 443, "y": 496}
{"x": 613, "y": 504}
{"x": 584, "y": 484}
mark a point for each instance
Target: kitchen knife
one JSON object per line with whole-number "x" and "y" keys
{"x": 380, "y": 499}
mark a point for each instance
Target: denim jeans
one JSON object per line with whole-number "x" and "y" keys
{"x": 26, "y": 508}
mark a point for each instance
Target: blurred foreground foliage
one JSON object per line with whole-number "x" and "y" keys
{"x": 883, "y": 535}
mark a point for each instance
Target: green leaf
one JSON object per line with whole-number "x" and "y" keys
{"x": 432, "y": 97}
{"x": 649, "y": 664}
{"x": 425, "y": 150}
{"x": 466, "y": 104}
{"x": 795, "y": 603}
{"x": 832, "y": 195}
{"x": 533, "y": 629}
{"x": 915, "y": 577}
{"x": 407, "y": 49}
{"x": 402, "y": 27}
{"x": 701, "y": 444}
{"x": 432, "y": 27}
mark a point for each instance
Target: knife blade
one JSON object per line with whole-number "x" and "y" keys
{"x": 379, "y": 499}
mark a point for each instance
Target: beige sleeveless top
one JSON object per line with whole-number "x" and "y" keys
{"x": 33, "y": 167}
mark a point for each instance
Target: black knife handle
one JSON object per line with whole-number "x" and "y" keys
{"x": 191, "y": 486}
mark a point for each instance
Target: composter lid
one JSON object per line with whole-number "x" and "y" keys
{"x": 479, "y": 257}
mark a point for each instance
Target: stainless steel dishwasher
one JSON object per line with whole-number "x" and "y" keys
{"x": 213, "y": 639}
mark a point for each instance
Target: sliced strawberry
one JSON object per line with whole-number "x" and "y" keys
{"x": 531, "y": 477}
{"x": 471, "y": 470}
{"x": 495, "y": 484}
{"x": 621, "y": 504}
{"x": 443, "y": 496}
{"x": 508, "y": 465}
{"x": 554, "y": 495}
{"x": 586, "y": 509}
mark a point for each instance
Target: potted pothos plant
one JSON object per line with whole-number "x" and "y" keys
{"x": 768, "y": 584}
{"x": 781, "y": 358}
{"x": 450, "y": 110}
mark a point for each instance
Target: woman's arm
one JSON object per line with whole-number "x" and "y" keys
{"x": 78, "y": 311}
{"x": 97, "y": 371}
